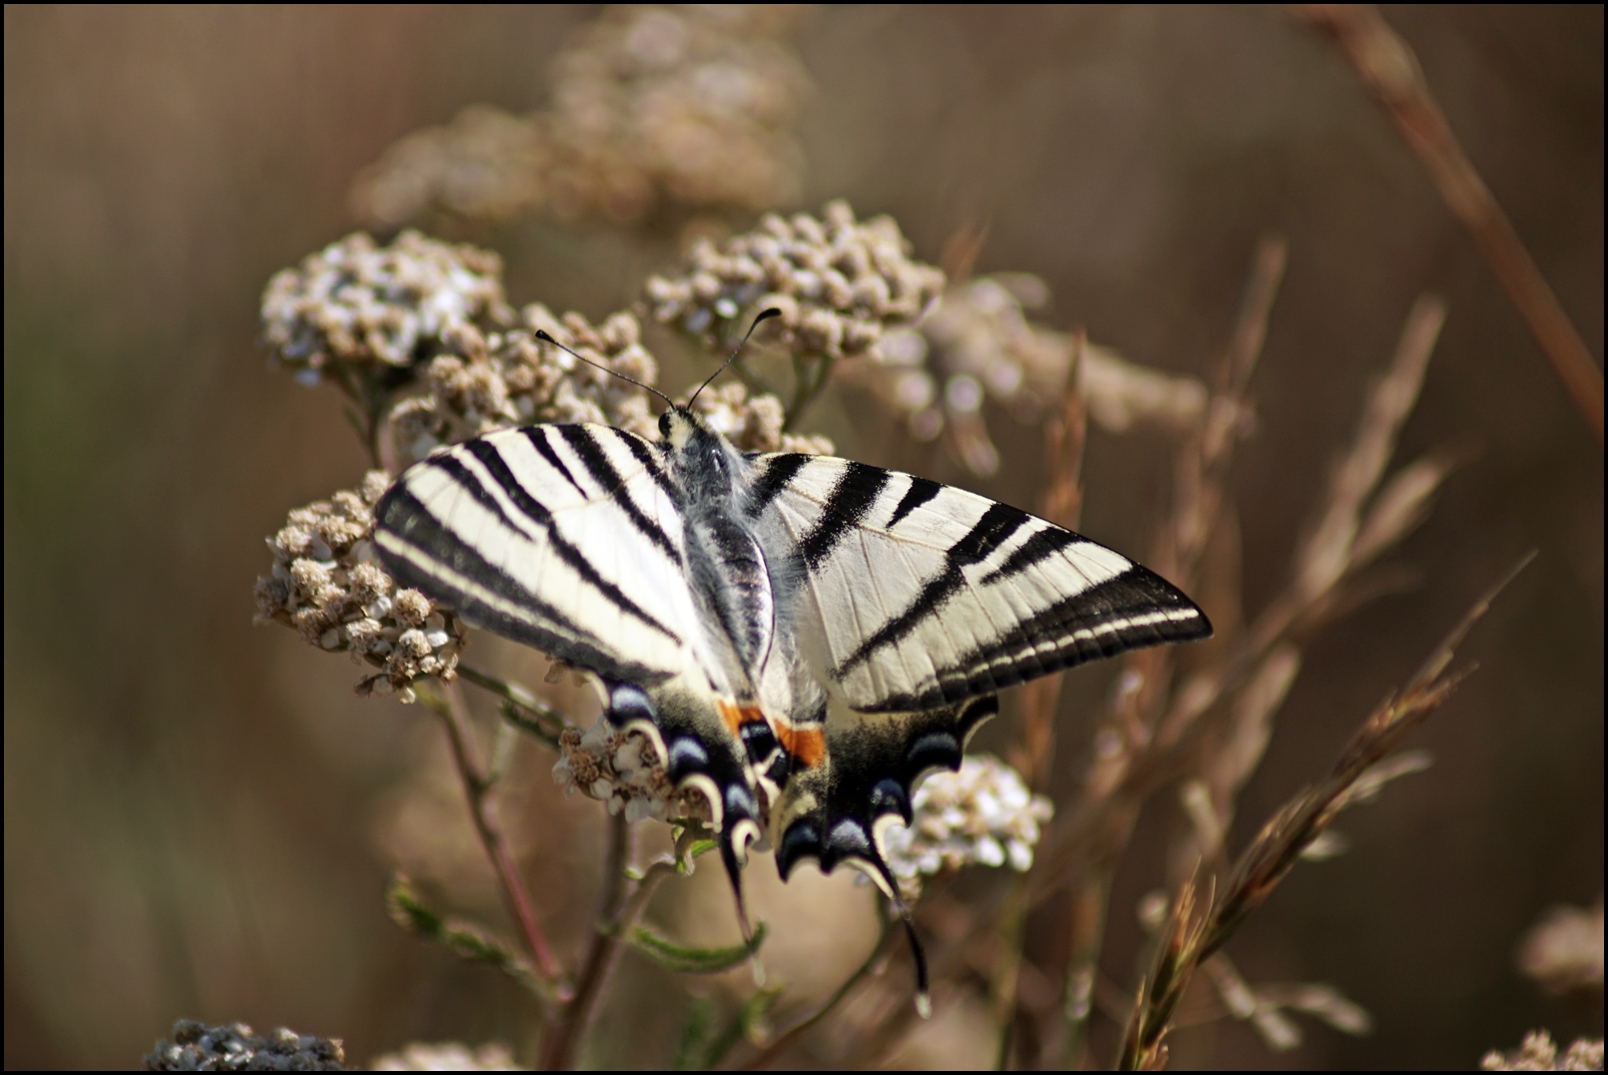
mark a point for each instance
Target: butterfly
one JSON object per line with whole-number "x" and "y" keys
{"x": 802, "y": 638}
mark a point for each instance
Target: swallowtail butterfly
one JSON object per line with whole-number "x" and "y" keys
{"x": 802, "y": 638}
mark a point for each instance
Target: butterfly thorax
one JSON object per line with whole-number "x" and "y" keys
{"x": 725, "y": 561}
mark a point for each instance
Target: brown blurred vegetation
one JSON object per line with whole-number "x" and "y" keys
{"x": 197, "y": 811}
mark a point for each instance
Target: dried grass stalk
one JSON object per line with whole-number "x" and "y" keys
{"x": 1188, "y": 940}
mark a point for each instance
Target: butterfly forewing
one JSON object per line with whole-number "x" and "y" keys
{"x": 924, "y": 595}
{"x": 562, "y": 537}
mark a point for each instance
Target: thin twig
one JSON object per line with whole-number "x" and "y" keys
{"x": 786, "y": 1038}
{"x": 447, "y": 702}
{"x": 1102, "y": 821}
{"x": 566, "y": 1039}
{"x": 808, "y": 385}
{"x": 544, "y": 721}
{"x": 1324, "y": 569}
{"x": 1391, "y": 72}
{"x": 1087, "y": 909}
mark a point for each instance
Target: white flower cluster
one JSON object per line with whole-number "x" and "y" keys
{"x": 446, "y": 1056}
{"x": 623, "y": 770}
{"x": 690, "y": 106}
{"x": 498, "y": 379}
{"x": 361, "y": 305}
{"x": 838, "y": 283}
{"x": 1564, "y": 950}
{"x": 977, "y": 344}
{"x": 326, "y": 584}
{"x": 486, "y": 165}
{"x": 651, "y": 108}
{"x": 983, "y": 815}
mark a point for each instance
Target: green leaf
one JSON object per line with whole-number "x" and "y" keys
{"x": 687, "y": 959}
{"x": 692, "y": 1047}
{"x": 750, "y": 1022}
{"x": 692, "y": 839}
{"x": 463, "y": 938}
{"x": 700, "y": 1049}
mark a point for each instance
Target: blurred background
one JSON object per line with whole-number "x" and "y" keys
{"x": 200, "y": 815}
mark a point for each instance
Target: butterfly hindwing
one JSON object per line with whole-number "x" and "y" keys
{"x": 839, "y": 809}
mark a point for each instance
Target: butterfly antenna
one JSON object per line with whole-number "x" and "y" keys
{"x": 917, "y": 953}
{"x": 734, "y": 873}
{"x": 890, "y": 886}
{"x": 923, "y": 989}
{"x": 765, "y": 315}
{"x": 541, "y": 334}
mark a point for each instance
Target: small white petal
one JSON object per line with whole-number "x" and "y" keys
{"x": 989, "y": 853}
{"x": 1020, "y": 854}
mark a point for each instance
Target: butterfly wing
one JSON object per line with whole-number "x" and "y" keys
{"x": 569, "y": 538}
{"x": 910, "y": 595}
{"x": 563, "y": 537}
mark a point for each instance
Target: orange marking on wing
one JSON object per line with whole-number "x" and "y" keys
{"x": 730, "y": 713}
{"x": 734, "y": 714}
{"x": 808, "y": 744}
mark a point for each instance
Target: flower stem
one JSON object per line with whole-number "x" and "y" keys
{"x": 617, "y": 914}
{"x": 448, "y": 703}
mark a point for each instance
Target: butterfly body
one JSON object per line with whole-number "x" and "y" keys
{"x": 803, "y": 638}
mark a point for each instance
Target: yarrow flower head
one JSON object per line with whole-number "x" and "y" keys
{"x": 652, "y": 107}
{"x": 493, "y": 380}
{"x": 446, "y": 1056}
{"x": 327, "y": 584}
{"x": 486, "y": 166}
{"x": 198, "y": 1047}
{"x": 1540, "y": 1053}
{"x": 982, "y": 815}
{"x": 839, "y": 284}
{"x": 623, "y": 770}
{"x": 358, "y": 305}
{"x": 690, "y": 106}
{"x": 1564, "y": 950}
{"x": 978, "y": 345}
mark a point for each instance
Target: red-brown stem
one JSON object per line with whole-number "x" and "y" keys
{"x": 483, "y": 808}
{"x": 617, "y": 913}
{"x": 1388, "y": 67}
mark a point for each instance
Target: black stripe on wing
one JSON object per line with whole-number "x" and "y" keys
{"x": 584, "y": 444}
{"x": 779, "y": 470}
{"x": 401, "y": 518}
{"x": 996, "y": 526}
{"x": 1138, "y": 608}
{"x": 1043, "y": 545}
{"x": 537, "y": 435}
{"x": 487, "y": 455}
{"x": 650, "y": 455}
{"x": 920, "y": 492}
{"x": 853, "y": 495}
